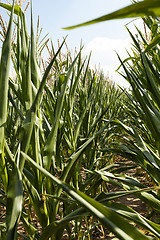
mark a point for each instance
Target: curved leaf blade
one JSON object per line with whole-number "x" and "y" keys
{"x": 140, "y": 9}
{"x": 4, "y": 78}
{"x": 17, "y": 9}
{"x": 14, "y": 202}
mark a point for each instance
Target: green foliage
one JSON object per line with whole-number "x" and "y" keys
{"x": 59, "y": 131}
{"x": 141, "y": 142}
{"x": 4, "y": 75}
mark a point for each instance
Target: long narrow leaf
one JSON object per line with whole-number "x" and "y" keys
{"x": 4, "y": 78}
{"x": 14, "y": 202}
{"x": 140, "y": 9}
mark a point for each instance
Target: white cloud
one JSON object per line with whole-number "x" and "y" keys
{"x": 104, "y": 55}
{"x": 104, "y": 51}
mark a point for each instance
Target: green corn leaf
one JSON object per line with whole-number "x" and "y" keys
{"x": 24, "y": 62}
{"x": 123, "y": 210}
{"x": 140, "y": 144}
{"x": 16, "y": 91}
{"x": 153, "y": 43}
{"x": 107, "y": 217}
{"x": 36, "y": 201}
{"x": 140, "y": 9}
{"x": 3, "y": 171}
{"x": 31, "y": 230}
{"x": 74, "y": 86}
{"x": 17, "y": 9}
{"x": 39, "y": 94}
{"x": 17, "y": 65}
{"x": 26, "y": 135}
{"x": 15, "y": 105}
{"x": 31, "y": 115}
{"x": 4, "y": 78}
{"x": 14, "y": 202}
{"x": 124, "y": 179}
{"x": 132, "y": 184}
{"x": 150, "y": 75}
{"x": 154, "y": 29}
{"x": 132, "y": 215}
{"x": 75, "y": 156}
{"x": 50, "y": 147}
{"x": 28, "y": 85}
{"x": 54, "y": 227}
{"x": 79, "y": 123}
{"x": 152, "y": 114}
{"x": 24, "y": 52}
{"x": 127, "y": 212}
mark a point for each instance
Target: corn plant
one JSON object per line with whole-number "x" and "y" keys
{"x": 140, "y": 144}
{"x": 53, "y": 136}
{"x": 143, "y": 76}
{"x": 140, "y": 141}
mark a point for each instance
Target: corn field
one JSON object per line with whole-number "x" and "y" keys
{"x": 70, "y": 139}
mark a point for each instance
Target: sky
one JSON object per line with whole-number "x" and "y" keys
{"x": 103, "y": 39}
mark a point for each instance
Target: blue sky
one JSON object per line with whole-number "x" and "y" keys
{"x": 102, "y": 38}
{"x": 57, "y": 14}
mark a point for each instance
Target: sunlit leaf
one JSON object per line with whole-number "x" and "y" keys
{"x": 140, "y": 9}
